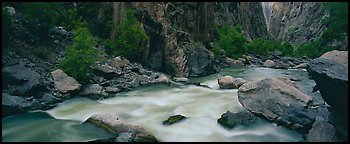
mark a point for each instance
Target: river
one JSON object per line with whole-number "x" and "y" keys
{"x": 150, "y": 105}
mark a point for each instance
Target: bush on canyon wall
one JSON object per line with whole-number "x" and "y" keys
{"x": 81, "y": 56}
{"x": 129, "y": 38}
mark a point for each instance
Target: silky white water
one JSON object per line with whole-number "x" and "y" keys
{"x": 149, "y": 106}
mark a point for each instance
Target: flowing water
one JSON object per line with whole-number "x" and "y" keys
{"x": 149, "y": 106}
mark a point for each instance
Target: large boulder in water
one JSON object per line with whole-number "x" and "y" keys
{"x": 228, "y": 82}
{"x": 113, "y": 125}
{"x": 271, "y": 96}
{"x": 330, "y": 72}
{"x": 64, "y": 83}
{"x": 19, "y": 80}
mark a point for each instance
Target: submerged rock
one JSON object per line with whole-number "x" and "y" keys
{"x": 124, "y": 131}
{"x": 174, "y": 119}
{"x": 230, "y": 120}
{"x": 64, "y": 83}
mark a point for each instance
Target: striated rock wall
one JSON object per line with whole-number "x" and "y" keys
{"x": 296, "y": 22}
{"x": 174, "y": 27}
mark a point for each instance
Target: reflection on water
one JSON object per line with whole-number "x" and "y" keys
{"x": 149, "y": 106}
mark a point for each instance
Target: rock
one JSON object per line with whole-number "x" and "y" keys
{"x": 64, "y": 83}
{"x": 92, "y": 89}
{"x": 321, "y": 131}
{"x": 174, "y": 119}
{"x": 230, "y": 120}
{"x": 280, "y": 65}
{"x": 302, "y": 65}
{"x": 110, "y": 89}
{"x": 108, "y": 71}
{"x": 119, "y": 62}
{"x": 270, "y": 97}
{"x": 163, "y": 79}
{"x": 330, "y": 72}
{"x": 181, "y": 79}
{"x": 269, "y": 63}
{"x": 48, "y": 98}
{"x": 228, "y": 82}
{"x": 14, "y": 104}
{"x": 234, "y": 63}
{"x": 10, "y": 10}
{"x": 124, "y": 137}
{"x": 111, "y": 123}
{"x": 200, "y": 61}
{"x": 19, "y": 80}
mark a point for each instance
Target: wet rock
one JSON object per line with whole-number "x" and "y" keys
{"x": 270, "y": 97}
{"x": 112, "y": 124}
{"x": 174, "y": 119}
{"x": 230, "y": 120}
{"x": 14, "y": 104}
{"x": 228, "y": 82}
{"x": 322, "y": 131}
{"x": 110, "y": 89}
{"x": 163, "y": 79}
{"x": 93, "y": 89}
{"x": 302, "y": 65}
{"x": 64, "y": 83}
{"x": 269, "y": 63}
{"x": 48, "y": 98}
{"x": 19, "y": 80}
{"x": 125, "y": 137}
{"x": 181, "y": 79}
{"x": 234, "y": 63}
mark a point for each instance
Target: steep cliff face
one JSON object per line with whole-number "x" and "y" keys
{"x": 249, "y": 15}
{"x": 296, "y": 22}
{"x": 175, "y": 27}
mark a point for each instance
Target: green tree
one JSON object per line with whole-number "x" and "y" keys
{"x": 231, "y": 40}
{"x": 129, "y": 38}
{"x": 81, "y": 56}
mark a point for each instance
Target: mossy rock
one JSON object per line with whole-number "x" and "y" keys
{"x": 173, "y": 119}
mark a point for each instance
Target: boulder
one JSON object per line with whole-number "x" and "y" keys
{"x": 234, "y": 63}
{"x": 200, "y": 61}
{"x": 181, "y": 79}
{"x": 269, "y": 63}
{"x": 174, "y": 119}
{"x": 302, "y": 65}
{"x": 322, "y": 131}
{"x": 93, "y": 89}
{"x": 19, "y": 80}
{"x": 163, "y": 79}
{"x": 270, "y": 97}
{"x": 110, "y": 89}
{"x": 119, "y": 62}
{"x": 330, "y": 72}
{"x": 230, "y": 120}
{"x": 49, "y": 98}
{"x": 228, "y": 82}
{"x": 14, "y": 104}
{"x": 64, "y": 83}
{"x": 280, "y": 65}
{"x": 113, "y": 125}
{"x": 107, "y": 70}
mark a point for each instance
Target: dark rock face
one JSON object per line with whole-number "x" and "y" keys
{"x": 322, "y": 131}
{"x": 19, "y": 80}
{"x": 174, "y": 119}
{"x": 330, "y": 72}
{"x": 200, "y": 61}
{"x": 230, "y": 120}
{"x": 125, "y": 132}
{"x": 15, "y": 104}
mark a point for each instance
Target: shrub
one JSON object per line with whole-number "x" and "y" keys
{"x": 81, "y": 56}
{"x": 231, "y": 40}
{"x": 129, "y": 38}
